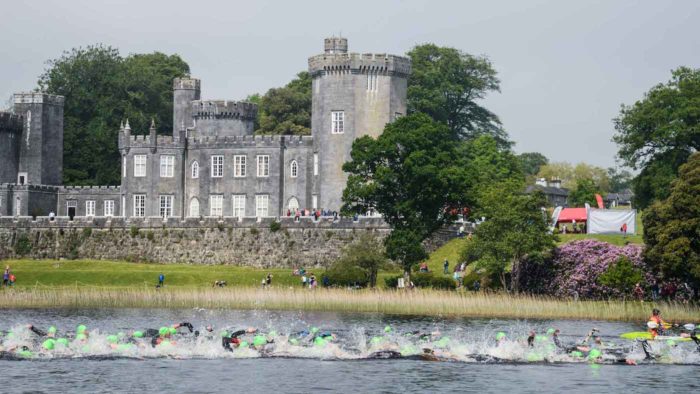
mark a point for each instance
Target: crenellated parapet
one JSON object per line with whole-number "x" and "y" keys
{"x": 146, "y": 141}
{"x": 10, "y": 122}
{"x": 249, "y": 141}
{"x": 223, "y": 109}
{"x": 38, "y": 98}
{"x": 356, "y": 63}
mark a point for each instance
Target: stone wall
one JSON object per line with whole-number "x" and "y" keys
{"x": 210, "y": 241}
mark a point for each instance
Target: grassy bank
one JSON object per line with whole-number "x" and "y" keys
{"x": 425, "y": 302}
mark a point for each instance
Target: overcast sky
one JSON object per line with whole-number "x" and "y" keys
{"x": 565, "y": 66}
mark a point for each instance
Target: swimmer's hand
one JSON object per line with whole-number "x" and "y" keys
{"x": 251, "y": 330}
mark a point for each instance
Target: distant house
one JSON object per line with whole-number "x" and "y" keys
{"x": 555, "y": 194}
{"x": 624, "y": 197}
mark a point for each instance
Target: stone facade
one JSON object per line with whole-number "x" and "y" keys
{"x": 212, "y": 164}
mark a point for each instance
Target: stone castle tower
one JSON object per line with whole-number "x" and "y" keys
{"x": 353, "y": 95}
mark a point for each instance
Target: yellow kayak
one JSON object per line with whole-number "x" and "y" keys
{"x": 647, "y": 335}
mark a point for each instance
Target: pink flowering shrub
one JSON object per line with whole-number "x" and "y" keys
{"x": 577, "y": 266}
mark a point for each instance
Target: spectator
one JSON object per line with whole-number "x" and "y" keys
{"x": 655, "y": 290}
{"x": 51, "y": 216}
{"x": 161, "y": 280}
{"x": 638, "y": 292}
{"x": 289, "y": 212}
{"x": 326, "y": 281}
{"x": 445, "y": 267}
{"x": 312, "y": 281}
{"x": 6, "y": 276}
{"x": 268, "y": 279}
{"x": 12, "y": 279}
{"x": 477, "y": 285}
{"x": 469, "y": 236}
{"x": 423, "y": 267}
{"x": 355, "y": 217}
{"x": 623, "y": 229}
{"x": 303, "y": 280}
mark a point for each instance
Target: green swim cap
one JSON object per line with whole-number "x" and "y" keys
{"x": 576, "y": 354}
{"x": 25, "y": 353}
{"x": 540, "y": 338}
{"x": 172, "y": 330}
{"x": 442, "y": 342}
{"x": 62, "y": 341}
{"x": 500, "y": 335}
{"x": 387, "y": 329}
{"x": 314, "y": 330}
{"x": 49, "y": 344}
{"x": 272, "y": 334}
{"x": 81, "y": 337}
{"x": 671, "y": 342}
{"x": 80, "y": 329}
{"x": 318, "y": 341}
{"x": 52, "y": 330}
{"x": 259, "y": 340}
{"x": 163, "y": 331}
{"x": 376, "y": 340}
{"x": 137, "y": 334}
{"x": 10, "y": 335}
{"x": 224, "y": 334}
{"x": 112, "y": 339}
{"x": 594, "y": 354}
{"x": 165, "y": 343}
{"x": 550, "y": 331}
{"x": 244, "y": 344}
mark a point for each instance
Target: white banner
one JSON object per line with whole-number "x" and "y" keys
{"x": 611, "y": 221}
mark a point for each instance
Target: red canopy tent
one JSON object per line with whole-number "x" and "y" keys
{"x": 571, "y": 214}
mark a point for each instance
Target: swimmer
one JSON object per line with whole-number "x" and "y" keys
{"x": 232, "y": 340}
{"x": 531, "y": 339}
{"x": 50, "y": 333}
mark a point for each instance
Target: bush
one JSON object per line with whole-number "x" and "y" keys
{"x": 134, "y": 231}
{"x": 254, "y": 231}
{"x": 87, "y": 231}
{"x": 23, "y": 246}
{"x": 436, "y": 282}
{"x": 275, "y": 226}
{"x": 150, "y": 236}
{"x": 622, "y": 276}
{"x": 347, "y": 276}
{"x": 392, "y": 282}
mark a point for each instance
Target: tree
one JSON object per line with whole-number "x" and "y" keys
{"x": 446, "y": 84}
{"x": 366, "y": 253}
{"x": 102, "y": 89}
{"x": 515, "y": 227}
{"x": 570, "y": 175}
{"x": 287, "y": 110}
{"x": 622, "y": 276}
{"x": 671, "y": 227}
{"x": 661, "y": 126}
{"x": 620, "y": 179}
{"x": 410, "y": 174}
{"x": 531, "y": 162}
{"x": 583, "y": 193}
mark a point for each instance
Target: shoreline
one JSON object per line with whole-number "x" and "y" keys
{"x": 418, "y": 303}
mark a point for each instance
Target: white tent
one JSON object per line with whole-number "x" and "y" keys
{"x": 610, "y": 221}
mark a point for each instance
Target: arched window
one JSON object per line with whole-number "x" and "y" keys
{"x": 195, "y": 170}
{"x": 293, "y": 204}
{"x": 194, "y": 207}
{"x": 294, "y": 169}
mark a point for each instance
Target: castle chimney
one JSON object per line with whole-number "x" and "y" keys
{"x": 335, "y": 45}
{"x": 153, "y": 136}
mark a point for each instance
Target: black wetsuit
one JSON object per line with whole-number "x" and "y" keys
{"x": 37, "y": 331}
{"x": 232, "y": 339}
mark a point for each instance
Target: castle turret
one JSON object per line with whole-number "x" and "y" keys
{"x": 41, "y": 147}
{"x": 11, "y": 126}
{"x": 352, "y": 95}
{"x": 185, "y": 90}
{"x": 153, "y": 136}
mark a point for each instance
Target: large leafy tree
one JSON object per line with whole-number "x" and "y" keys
{"x": 447, "y": 84}
{"x": 659, "y": 132}
{"x": 515, "y": 227}
{"x": 531, "y": 162}
{"x": 672, "y": 227}
{"x": 410, "y": 174}
{"x": 287, "y": 110}
{"x": 583, "y": 193}
{"x": 620, "y": 179}
{"x": 102, "y": 88}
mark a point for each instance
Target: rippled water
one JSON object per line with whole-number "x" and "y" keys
{"x": 202, "y": 365}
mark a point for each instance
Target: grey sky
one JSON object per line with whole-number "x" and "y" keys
{"x": 565, "y": 66}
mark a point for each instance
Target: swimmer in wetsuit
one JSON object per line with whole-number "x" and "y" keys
{"x": 232, "y": 340}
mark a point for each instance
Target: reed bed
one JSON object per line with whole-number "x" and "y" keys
{"x": 424, "y": 302}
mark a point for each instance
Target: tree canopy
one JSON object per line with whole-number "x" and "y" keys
{"x": 531, "y": 162}
{"x": 658, "y": 133}
{"x": 447, "y": 84}
{"x": 287, "y": 110}
{"x": 583, "y": 193}
{"x": 570, "y": 175}
{"x": 672, "y": 227}
{"x": 102, "y": 88}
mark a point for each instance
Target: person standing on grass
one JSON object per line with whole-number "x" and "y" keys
{"x": 268, "y": 279}
{"x": 12, "y": 279}
{"x": 446, "y": 267}
{"x": 623, "y": 229}
{"x": 6, "y": 276}
{"x": 161, "y": 280}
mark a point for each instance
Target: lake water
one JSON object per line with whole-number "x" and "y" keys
{"x": 469, "y": 359}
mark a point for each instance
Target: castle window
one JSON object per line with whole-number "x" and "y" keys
{"x": 109, "y": 207}
{"x": 263, "y": 165}
{"x": 124, "y": 167}
{"x": 239, "y": 205}
{"x": 90, "y": 208}
{"x": 293, "y": 205}
{"x": 217, "y": 166}
{"x": 239, "y": 166}
{"x": 194, "y": 208}
{"x": 195, "y": 170}
{"x": 315, "y": 163}
{"x": 314, "y": 201}
{"x": 167, "y": 166}
{"x": 166, "y": 206}
{"x": 139, "y": 165}
{"x": 139, "y": 205}
{"x": 216, "y": 205}
{"x": 262, "y": 202}
{"x": 337, "y": 122}
{"x": 294, "y": 169}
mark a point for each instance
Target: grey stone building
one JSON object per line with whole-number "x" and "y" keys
{"x": 212, "y": 164}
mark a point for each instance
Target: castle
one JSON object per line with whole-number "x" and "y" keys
{"x": 212, "y": 164}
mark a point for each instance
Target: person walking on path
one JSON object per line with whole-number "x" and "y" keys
{"x": 6, "y": 276}
{"x": 446, "y": 267}
{"x": 161, "y": 280}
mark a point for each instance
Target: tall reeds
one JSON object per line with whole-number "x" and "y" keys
{"x": 420, "y": 302}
